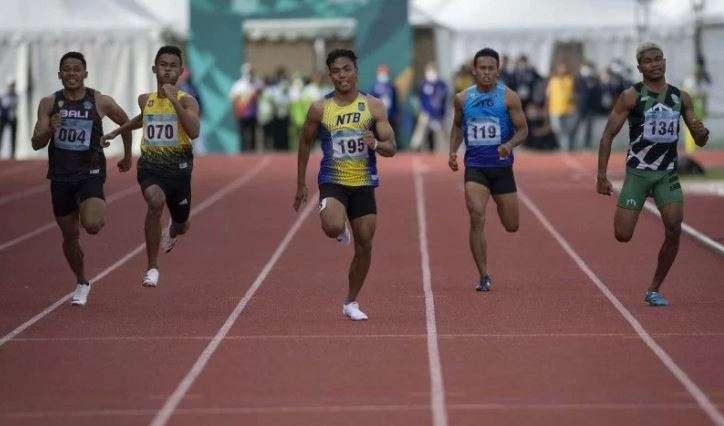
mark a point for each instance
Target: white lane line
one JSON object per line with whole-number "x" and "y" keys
{"x": 437, "y": 387}
{"x": 688, "y": 229}
{"x": 165, "y": 413}
{"x": 37, "y": 189}
{"x": 300, "y": 409}
{"x": 650, "y": 207}
{"x": 698, "y": 395}
{"x": 124, "y": 339}
{"x": 113, "y": 197}
{"x": 203, "y": 205}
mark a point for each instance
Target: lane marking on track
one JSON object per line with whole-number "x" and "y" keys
{"x": 651, "y": 208}
{"x": 301, "y": 409}
{"x": 232, "y": 186}
{"x": 37, "y": 189}
{"x": 112, "y": 339}
{"x": 699, "y": 396}
{"x": 165, "y": 413}
{"x": 437, "y": 387}
{"x": 37, "y": 231}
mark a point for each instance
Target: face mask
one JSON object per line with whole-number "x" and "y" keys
{"x": 430, "y": 75}
{"x": 383, "y": 77}
{"x": 585, "y": 71}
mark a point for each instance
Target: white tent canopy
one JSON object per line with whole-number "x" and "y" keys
{"x": 117, "y": 37}
{"x": 608, "y": 30}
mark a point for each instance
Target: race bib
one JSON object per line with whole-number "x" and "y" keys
{"x": 661, "y": 126}
{"x": 161, "y": 129}
{"x": 483, "y": 131}
{"x": 74, "y": 134}
{"x": 348, "y": 144}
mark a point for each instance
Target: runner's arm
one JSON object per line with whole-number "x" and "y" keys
{"x": 696, "y": 127}
{"x": 306, "y": 140}
{"x": 517, "y": 117}
{"x": 110, "y": 109}
{"x": 621, "y": 110}
{"x": 455, "y": 136}
{"x": 187, "y": 109}
{"x": 46, "y": 125}
{"x": 385, "y": 144}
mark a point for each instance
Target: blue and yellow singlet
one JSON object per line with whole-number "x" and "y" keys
{"x": 347, "y": 160}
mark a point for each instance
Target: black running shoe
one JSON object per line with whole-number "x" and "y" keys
{"x": 484, "y": 283}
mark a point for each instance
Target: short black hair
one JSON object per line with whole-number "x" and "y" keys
{"x": 341, "y": 53}
{"x": 75, "y": 55}
{"x": 487, "y": 52}
{"x": 170, "y": 50}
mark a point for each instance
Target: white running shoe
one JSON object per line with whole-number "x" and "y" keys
{"x": 352, "y": 311}
{"x": 150, "y": 278}
{"x": 168, "y": 243}
{"x": 344, "y": 238}
{"x": 80, "y": 295}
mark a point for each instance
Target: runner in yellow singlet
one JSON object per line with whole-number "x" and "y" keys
{"x": 170, "y": 120}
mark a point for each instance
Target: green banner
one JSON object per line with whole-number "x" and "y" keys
{"x": 216, "y": 48}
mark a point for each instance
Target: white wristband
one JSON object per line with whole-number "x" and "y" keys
{"x": 374, "y": 147}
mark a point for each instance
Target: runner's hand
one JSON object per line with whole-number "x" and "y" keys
{"x": 453, "y": 162}
{"x": 504, "y": 150}
{"x": 106, "y": 139}
{"x": 369, "y": 139}
{"x": 169, "y": 90}
{"x": 603, "y": 185}
{"x": 124, "y": 164}
{"x": 301, "y": 197}
{"x": 699, "y": 131}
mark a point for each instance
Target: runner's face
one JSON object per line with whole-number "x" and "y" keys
{"x": 168, "y": 68}
{"x": 485, "y": 71}
{"x": 72, "y": 73}
{"x": 652, "y": 64}
{"x": 343, "y": 74}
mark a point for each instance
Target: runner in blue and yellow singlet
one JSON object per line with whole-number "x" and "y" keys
{"x": 70, "y": 125}
{"x": 353, "y": 128}
{"x": 489, "y": 119}
{"x": 170, "y": 120}
{"x": 653, "y": 109}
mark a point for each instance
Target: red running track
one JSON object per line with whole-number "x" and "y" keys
{"x": 545, "y": 347}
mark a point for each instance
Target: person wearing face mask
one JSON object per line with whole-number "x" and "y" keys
{"x": 433, "y": 96}
{"x": 588, "y": 98}
{"x": 385, "y": 91}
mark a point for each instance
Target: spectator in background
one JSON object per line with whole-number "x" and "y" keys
{"x": 297, "y": 112}
{"x": 276, "y": 108}
{"x": 507, "y": 75}
{"x": 560, "y": 104}
{"x": 612, "y": 84}
{"x": 243, "y": 95}
{"x": 385, "y": 91}
{"x": 8, "y": 116}
{"x": 433, "y": 95}
{"x": 463, "y": 78}
{"x": 540, "y": 133}
{"x": 527, "y": 81}
{"x": 588, "y": 101}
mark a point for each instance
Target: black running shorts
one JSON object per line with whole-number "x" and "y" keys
{"x": 498, "y": 180}
{"x": 177, "y": 190}
{"x": 357, "y": 200}
{"x": 67, "y": 196}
